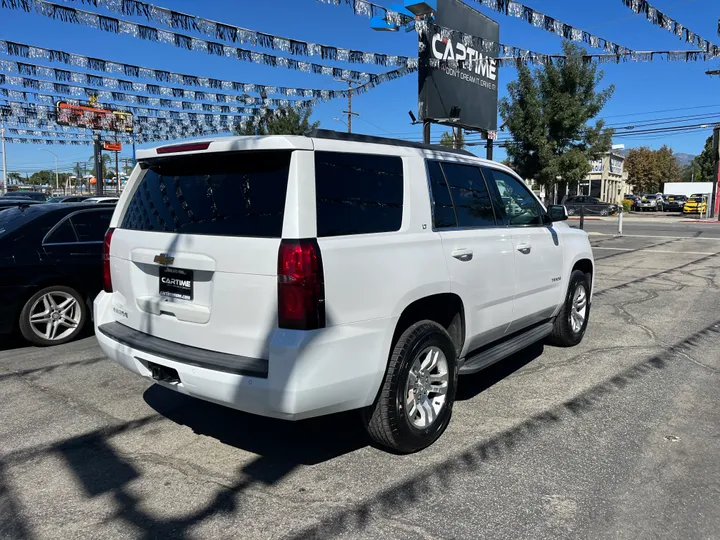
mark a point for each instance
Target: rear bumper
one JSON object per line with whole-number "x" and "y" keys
{"x": 306, "y": 374}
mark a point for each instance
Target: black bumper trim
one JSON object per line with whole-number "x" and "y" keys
{"x": 194, "y": 356}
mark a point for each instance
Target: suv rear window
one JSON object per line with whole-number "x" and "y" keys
{"x": 225, "y": 194}
{"x": 358, "y": 193}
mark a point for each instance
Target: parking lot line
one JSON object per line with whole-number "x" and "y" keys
{"x": 646, "y": 250}
{"x": 654, "y": 236}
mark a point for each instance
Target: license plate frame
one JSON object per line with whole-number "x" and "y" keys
{"x": 176, "y": 283}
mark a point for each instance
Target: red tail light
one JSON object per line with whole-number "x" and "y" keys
{"x": 301, "y": 289}
{"x": 107, "y": 278}
{"x": 190, "y": 147}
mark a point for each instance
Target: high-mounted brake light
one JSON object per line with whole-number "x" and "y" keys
{"x": 183, "y": 148}
{"x": 107, "y": 278}
{"x": 301, "y": 287}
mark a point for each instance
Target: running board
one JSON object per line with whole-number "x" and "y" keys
{"x": 504, "y": 349}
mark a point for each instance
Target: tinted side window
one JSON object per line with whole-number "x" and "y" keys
{"x": 443, "y": 211}
{"x": 518, "y": 204}
{"x": 358, "y": 193}
{"x": 91, "y": 226}
{"x": 63, "y": 234}
{"x": 470, "y": 195}
{"x": 223, "y": 194}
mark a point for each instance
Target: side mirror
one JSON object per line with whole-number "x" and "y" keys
{"x": 557, "y": 212}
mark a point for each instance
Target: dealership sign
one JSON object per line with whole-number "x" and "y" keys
{"x": 458, "y": 84}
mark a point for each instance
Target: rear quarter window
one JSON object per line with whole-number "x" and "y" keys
{"x": 358, "y": 193}
{"x": 223, "y": 194}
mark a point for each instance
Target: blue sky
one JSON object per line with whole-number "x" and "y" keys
{"x": 642, "y": 89}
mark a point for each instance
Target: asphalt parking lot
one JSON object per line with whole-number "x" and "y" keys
{"x": 616, "y": 438}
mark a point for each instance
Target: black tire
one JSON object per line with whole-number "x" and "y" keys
{"x": 24, "y": 321}
{"x": 563, "y": 334}
{"x": 386, "y": 420}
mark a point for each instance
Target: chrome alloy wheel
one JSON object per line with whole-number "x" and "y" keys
{"x": 578, "y": 311}
{"x": 426, "y": 387}
{"x": 55, "y": 315}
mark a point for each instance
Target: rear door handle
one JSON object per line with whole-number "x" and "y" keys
{"x": 524, "y": 248}
{"x": 463, "y": 254}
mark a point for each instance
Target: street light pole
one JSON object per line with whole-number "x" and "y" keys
{"x": 57, "y": 176}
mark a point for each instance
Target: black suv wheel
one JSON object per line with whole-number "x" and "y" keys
{"x": 415, "y": 402}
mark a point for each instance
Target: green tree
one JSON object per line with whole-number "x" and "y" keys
{"x": 702, "y": 168}
{"x": 14, "y": 177}
{"x": 106, "y": 159}
{"x": 42, "y": 178}
{"x": 454, "y": 139}
{"x": 286, "y": 122}
{"x": 547, "y": 113}
{"x": 648, "y": 170}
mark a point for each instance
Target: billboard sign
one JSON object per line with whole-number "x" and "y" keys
{"x": 112, "y": 146}
{"x": 464, "y": 94}
{"x": 93, "y": 117}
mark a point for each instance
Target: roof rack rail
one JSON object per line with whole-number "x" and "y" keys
{"x": 356, "y": 137}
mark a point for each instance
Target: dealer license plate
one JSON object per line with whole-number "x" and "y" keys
{"x": 176, "y": 283}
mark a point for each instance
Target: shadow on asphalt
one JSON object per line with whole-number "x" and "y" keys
{"x": 264, "y": 436}
{"x": 283, "y": 446}
{"x": 470, "y": 386}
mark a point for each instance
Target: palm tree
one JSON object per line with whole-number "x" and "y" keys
{"x": 105, "y": 160}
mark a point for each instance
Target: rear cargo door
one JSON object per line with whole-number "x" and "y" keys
{"x": 194, "y": 254}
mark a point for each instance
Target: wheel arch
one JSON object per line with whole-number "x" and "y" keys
{"x": 445, "y": 308}
{"x": 587, "y": 266}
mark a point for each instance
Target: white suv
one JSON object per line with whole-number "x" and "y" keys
{"x": 293, "y": 276}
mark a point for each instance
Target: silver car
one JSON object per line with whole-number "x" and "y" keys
{"x": 654, "y": 203}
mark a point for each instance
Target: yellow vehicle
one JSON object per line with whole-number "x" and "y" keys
{"x": 695, "y": 205}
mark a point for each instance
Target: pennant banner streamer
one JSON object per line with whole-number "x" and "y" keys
{"x": 635, "y": 56}
{"x": 114, "y": 85}
{"x": 139, "y": 31}
{"x": 658, "y": 18}
{"x": 47, "y": 113}
{"x": 119, "y": 87}
{"x": 142, "y": 112}
{"x": 148, "y": 131}
{"x": 56, "y": 137}
{"x": 175, "y": 126}
{"x": 237, "y": 34}
{"x": 24, "y": 125}
{"x": 52, "y": 55}
{"x": 506, "y": 7}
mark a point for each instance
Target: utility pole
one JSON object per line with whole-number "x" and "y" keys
{"x": 715, "y": 210}
{"x": 349, "y": 111}
{"x": 3, "y": 189}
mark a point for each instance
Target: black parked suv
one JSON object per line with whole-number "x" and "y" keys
{"x": 14, "y": 202}
{"x": 51, "y": 267}
{"x": 675, "y": 203}
{"x": 34, "y": 195}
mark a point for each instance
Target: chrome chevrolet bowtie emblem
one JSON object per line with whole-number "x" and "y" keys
{"x": 164, "y": 259}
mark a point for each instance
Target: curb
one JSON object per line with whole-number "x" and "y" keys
{"x": 706, "y": 222}
{"x": 573, "y": 218}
